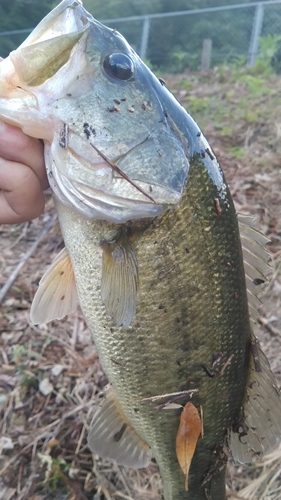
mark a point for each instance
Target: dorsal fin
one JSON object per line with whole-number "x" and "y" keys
{"x": 259, "y": 430}
{"x": 256, "y": 258}
{"x": 56, "y": 295}
{"x": 112, "y": 437}
{"x": 120, "y": 281}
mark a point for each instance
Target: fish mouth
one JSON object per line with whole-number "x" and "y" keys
{"x": 95, "y": 190}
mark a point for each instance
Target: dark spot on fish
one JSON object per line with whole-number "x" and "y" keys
{"x": 217, "y": 206}
{"x": 209, "y": 154}
{"x": 258, "y": 281}
{"x": 149, "y": 103}
{"x": 69, "y": 94}
{"x": 124, "y": 99}
{"x": 50, "y": 174}
{"x": 178, "y": 320}
{"x": 186, "y": 250}
{"x": 114, "y": 108}
{"x": 117, "y": 101}
{"x": 155, "y": 242}
{"x": 136, "y": 410}
{"x": 198, "y": 134}
{"x": 165, "y": 114}
{"x": 86, "y": 130}
{"x": 178, "y": 362}
{"x": 93, "y": 131}
{"x": 120, "y": 433}
{"x": 150, "y": 189}
{"x": 209, "y": 372}
{"x": 203, "y": 153}
{"x": 236, "y": 295}
{"x": 61, "y": 273}
{"x": 63, "y": 297}
{"x": 143, "y": 106}
{"x": 115, "y": 361}
{"x": 161, "y": 307}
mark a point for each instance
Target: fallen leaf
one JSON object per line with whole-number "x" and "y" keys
{"x": 187, "y": 436}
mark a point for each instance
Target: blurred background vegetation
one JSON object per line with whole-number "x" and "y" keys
{"x": 175, "y": 43}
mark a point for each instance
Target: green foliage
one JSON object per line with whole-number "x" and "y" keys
{"x": 20, "y": 14}
{"x": 55, "y": 470}
{"x": 236, "y": 151}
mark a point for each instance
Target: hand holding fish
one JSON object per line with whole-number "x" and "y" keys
{"x": 22, "y": 176}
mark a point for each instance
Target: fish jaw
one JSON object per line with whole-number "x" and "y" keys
{"x": 111, "y": 151}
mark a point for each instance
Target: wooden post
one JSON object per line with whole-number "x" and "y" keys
{"x": 206, "y": 54}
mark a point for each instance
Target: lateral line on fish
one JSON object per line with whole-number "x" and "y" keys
{"x": 119, "y": 171}
{"x": 189, "y": 392}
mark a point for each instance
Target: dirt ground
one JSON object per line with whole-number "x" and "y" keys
{"x": 50, "y": 377}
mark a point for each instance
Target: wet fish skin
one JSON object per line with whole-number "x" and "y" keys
{"x": 187, "y": 311}
{"x": 192, "y": 300}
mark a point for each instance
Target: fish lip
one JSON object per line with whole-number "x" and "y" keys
{"x": 97, "y": 204}
{"x": 103, "y": 204}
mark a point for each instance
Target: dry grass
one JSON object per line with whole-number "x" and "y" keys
{"x": 50, "y": 378}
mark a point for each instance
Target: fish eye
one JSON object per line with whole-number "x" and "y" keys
{"x": 119, "y": 66}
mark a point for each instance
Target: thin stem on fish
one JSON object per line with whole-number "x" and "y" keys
{"x": 119, "y": 171}
{"x": 179, "y": 394}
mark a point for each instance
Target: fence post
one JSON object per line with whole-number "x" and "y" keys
{"x": 144, "y": 37}
{"x": 256, "y": 33}
{"x": 206, "y": 54}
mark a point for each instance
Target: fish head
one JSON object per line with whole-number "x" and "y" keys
{"x": 112, "y": 152}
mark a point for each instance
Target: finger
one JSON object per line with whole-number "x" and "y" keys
{"x": 21, "y": 195}
{"x": 19, "y": 147}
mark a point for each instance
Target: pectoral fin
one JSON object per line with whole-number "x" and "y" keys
{"x": 112, "y": 437}
{"x": 57, "y": 294}
{"x": 120, "y": 281}
{"x": 259, "y": 430}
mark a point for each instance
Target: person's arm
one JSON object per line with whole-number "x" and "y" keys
{"x": 22, "y": 176}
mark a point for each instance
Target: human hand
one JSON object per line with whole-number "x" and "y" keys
{"x": 22, "y": 176}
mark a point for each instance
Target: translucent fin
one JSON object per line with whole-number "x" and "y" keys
{"x": 120, "y": 281}
{"x": 256, "y": 265}
{"x": 259, "y": 431}
{"x": 57, "y": 294}
{"x": 36, "y": 63}
{"x": 113, "y": 438}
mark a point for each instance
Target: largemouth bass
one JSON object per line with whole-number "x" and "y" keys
{"x": 153, "y": 252}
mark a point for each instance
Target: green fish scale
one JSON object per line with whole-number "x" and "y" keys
{"x": 192, "y": 304}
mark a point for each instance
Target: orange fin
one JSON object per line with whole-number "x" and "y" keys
{"x": 188, "y": 433}
{"x": 57, "y": 294}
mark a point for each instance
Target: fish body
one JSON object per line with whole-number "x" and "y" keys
{"x": 153, "y": 238}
